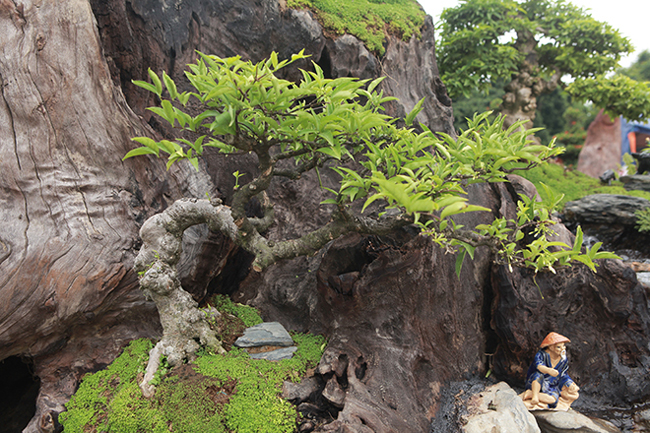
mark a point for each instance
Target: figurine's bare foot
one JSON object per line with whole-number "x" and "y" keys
{"x": 527, "y": 397}
{"x": 568, "y": 395}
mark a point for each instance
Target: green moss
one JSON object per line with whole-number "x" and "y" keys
{"x": 574, "y": 184}
{"x": 227, "y": 393}
{"x": 91, "y": 404}
{"x": 257, "y": 406}
{"x": 368, "y": 20}
{"x": 189, "y": 407}
{"x": 248, "y": 315}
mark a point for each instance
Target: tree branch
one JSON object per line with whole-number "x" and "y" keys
{"x": 342, "y": 222}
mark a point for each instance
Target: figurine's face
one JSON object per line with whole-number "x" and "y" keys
{"x": 557, "y": 349}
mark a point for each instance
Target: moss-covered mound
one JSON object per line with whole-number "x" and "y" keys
{"x": 368, "y": 20}
{"x": 217, "y": 393}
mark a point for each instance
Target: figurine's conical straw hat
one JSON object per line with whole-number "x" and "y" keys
{"x": 554, "y": 338}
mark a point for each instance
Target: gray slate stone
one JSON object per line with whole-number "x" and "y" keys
{"x": 570, "y": 422}
{"x": 605, "y": 209}
{"x": 265, "y": 334}
{"x": 276, "y": 355}
{"x": 636, "y": 182}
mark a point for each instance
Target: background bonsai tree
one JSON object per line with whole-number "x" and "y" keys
{"x": 530, "y": 46}
{"x": 390, "y": 176}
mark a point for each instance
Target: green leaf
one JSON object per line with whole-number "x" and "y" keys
{"x": 156, "y": 82}
{"x": 139, "y": 151}
{"x": 145, "y": 85}
{"x": 459, "y": 261}
{"x": 171, "y": 86}
{"x": 414, "y": 112}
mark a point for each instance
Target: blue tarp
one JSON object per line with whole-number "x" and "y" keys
{"x": 626, "y": 128}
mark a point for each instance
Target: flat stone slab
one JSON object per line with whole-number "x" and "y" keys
{"x": 276, "y": 355}
{"x": 265, "y": 334}
{"x": 571, "y": 421}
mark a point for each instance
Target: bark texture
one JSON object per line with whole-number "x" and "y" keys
{"x": 520, "y": 99}
{"x": 71, "y": 208}
{"x": 404, "y": 329}
{"x": 401, "y": 325}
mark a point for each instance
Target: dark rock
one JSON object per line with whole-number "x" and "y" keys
{"x": 636, "y": 182}
{"x": 571, "y": 421}
{"x": 265, "y": 334}
{"x": 642, "y": 419}
{"x": 643, "y": 160}
{"x": 605, "y": 314}
{"x": 299, "y": 392}
{"x": 306, "y": 427}
{"x": 607, "y": 177}
{"x": 605, "y": 209}
{"x": 275, "y": 355}
{"x": 334, "y": 393}
{"x": 611, "y": 219}
{"x": 348, "y": 57}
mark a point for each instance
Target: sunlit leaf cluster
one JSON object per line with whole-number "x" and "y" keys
{"x": 410, "y": 174}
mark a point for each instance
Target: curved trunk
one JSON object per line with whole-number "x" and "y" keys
{"x": 520, "y": 100}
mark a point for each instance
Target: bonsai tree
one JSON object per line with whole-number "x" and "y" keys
{"x": 531, "y": 46}
{"x": 400, "y": 175}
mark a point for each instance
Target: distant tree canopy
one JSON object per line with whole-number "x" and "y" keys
{"x": 640, "y": 69}
{"x": 532, "y": 45}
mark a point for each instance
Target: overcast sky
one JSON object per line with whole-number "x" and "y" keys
{"x": 630, "y": 17}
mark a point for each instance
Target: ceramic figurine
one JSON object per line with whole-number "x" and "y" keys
{"x": 548, "y": 386}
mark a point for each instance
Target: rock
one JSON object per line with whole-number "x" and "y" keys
{"x": 602, "y": 148}
{"x": 334, "y": 393}
{"x": 349, "y": 57}
{"x": 498, "y": 408}
{"x": 642, "y": 418}
{"x": 299, "y": 392}
{"x": 571, "y": 421}
{"x": 605, "y": 209}
{"x": 605, "y": 315}
{"x": 607, "y": 177}
{"x": 610, "y": 218}
{"x": 643, "y": 162}
{"x": 275, "y": 355}
{"x": 644, "y": 278}
{"x": 636, "y": 182}
{"x": 265, "y": 334}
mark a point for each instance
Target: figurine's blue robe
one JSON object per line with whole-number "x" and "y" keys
{"x": 550, "y": 385}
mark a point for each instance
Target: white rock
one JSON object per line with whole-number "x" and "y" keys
{"x": 498, "y": 409}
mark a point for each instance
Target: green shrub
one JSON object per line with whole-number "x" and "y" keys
{"x": 368, "y": 20}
